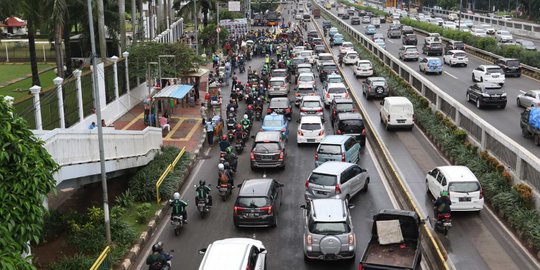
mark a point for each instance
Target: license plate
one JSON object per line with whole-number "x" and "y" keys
{"x": 401, "y": 121}
{"x": 465, "y": 199}
{"x": 447, "y": 224}
{"x": 311, "y": 112}
{"x": 310, "y": 140}
{"x": 495, "y": 76}
{"x": 330, "y": 257}
{"x": 322, "y": 192}
{"x": 252, "y": 215}
{"x": 460, "y": 59}
{"x": 266, "y": 157}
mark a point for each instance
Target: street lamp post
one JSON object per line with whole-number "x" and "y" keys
{"x": 196, "y": 23}
{"x": 125, "y": 55}
{"x": 459, "y": 15}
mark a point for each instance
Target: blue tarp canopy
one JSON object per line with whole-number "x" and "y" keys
{"x": 177, "y": 91}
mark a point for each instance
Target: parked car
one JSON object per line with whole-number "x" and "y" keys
{"x": 463, "y": 187}
{"x": 370, "y": 29}
{"x": 486, "y": 94}
{"x": 334, "y": 90}
{"x": 276, "y": 122}
{"x": 352, "y": 124}
{"x": 529, "y": 98}
{"x": 409, "y": 39}
{"x": 430, "y": 65}
{"x": 488, "y": 73}
{"x": 336, "y": 179}
{"x": 363, "y": 68}
{"x": 456, "y": 57}
{"x": 310, "y": 130}
{"x": 312, "y": 105}
{"x": 241, "y": 253}
{"x": 280, "y": 105}
{"x": 510, "y": 66}
{"x": 350, "y": 58}
{"x": 355, "y": 20}
{"x": 258, "y": 203}
{"x": 432, "y": 48}
{"x": 278, "y": 86}
{"x": 397, "y": 112}
{"x": 268, "y": 150}
{"x": 328, "y": 230}
{"x": 408, "y": 52}
{"x": 375, "y": 87}
{"x": 340, "y": 105}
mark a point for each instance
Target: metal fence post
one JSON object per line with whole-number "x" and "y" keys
{"x": 58, "y": 82}
{"x": 77, "y": 74}
{"x": 37, "y": 106}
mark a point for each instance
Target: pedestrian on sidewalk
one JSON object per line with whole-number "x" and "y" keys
{"x": 210, "y": 131}
{"x": 203, "y": 114}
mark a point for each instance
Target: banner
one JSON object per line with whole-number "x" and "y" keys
{"x": 234, "y": 5}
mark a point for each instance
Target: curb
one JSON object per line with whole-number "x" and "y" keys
{"x": 133, "y": 255}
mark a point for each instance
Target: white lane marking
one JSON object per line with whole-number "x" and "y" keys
{"x": 447, "y": 73}
{"x": 386, "y": 185}
{"x": 389, "y": 40}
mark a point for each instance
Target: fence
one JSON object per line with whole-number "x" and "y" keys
{"x": 17, "y": 51}
{"x": 524, "y": 165}
{"x": 166, "y": 173}
{"x": 103, "y": 261}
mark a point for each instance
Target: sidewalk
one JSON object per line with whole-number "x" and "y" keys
{"x": 186, "y": 124}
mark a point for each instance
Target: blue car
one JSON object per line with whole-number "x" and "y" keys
{"x": 332, "y": 31}
{"x": 371, "y": 30}
{"x": 431, "y": 65}
{"x": 276, "y": 122}
{"x": 338, "y": 39}
{"x": 381, "y": 43}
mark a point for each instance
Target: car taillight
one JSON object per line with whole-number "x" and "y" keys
{"x": 307, "y": 183}
{"x": 338, "y": 132}
{"x": 297, "y": 94}
{"x": 316, "y": 156}
{"x": 300, "y": 133}
{"x": 363, "y": 131}
{"x": 342, "y": 156}
{"x": 346, "y": 94}
{"x": 481, "y": 193}
{"x": 288, "y": 110}
{"x": 252, "y": 156}
{"x": 351, "y": 239}
{"x": 302, "y": 110}
{"x": 320, "y": 110}
{"x": 268, "y": 209}
{"x": 237, "y": 208}
{"x": 309, "y": 240}
{"x": 360, "y": 266}
{"x": 369, "y": 88}
{"x": 282, "y": 130}
{"x": 338, "y": 189}
{"x": 268, "y": 110}
{"x": 281, "y": 154}
{"x": 321, "y": 133}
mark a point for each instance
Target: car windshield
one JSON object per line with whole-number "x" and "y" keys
{"x": 329, "y": 67}
{"x": 411, "y": 37}
{"x": 297, "y": 61}
{"x": 279, "y": 73}
{"x": 351, "y": 126}
{"x": 322, "y": 179}
{"x": 310, "y": 126}
{"x": 411, "y": 50}
{"x": 335, "y": 80}
{"x": 435, "y": 45}
{"x": 277, "y": 83}
{"x": 272, "y": 123}
{"x": 464, "y": 187}
{"x": 346, "y": 45}
{"x": 306, "y": 78}
{"x": 252, "y": 202}
{"x": 493, "y": 70}
{"x": 305, "y": 90}
{"x": 512, "y": 63}
{"x": 305, "y": 54}
{"x": 364, "y": 65}
{"x": 304, "y": 70}
{"x": 329, "y": 228}
{"x": 352, "y": 55}
{"x": 434, "y": 61}
{"x": 344, "y": 107}
{"x": 266, "y": 147}
{"x": 329, "y": 149}
{"x": 337, "y": 90}
{"x": 504, "y": 33}
{"x": 280, "y": 103}
{"x": 325, "y": 58}
{"x": 311, "y": 104}
{"x": 319, "y": 47}
{"x": 460, "y": 54}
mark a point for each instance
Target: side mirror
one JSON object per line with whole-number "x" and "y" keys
{"x": 202, "y": 251}
{"x": 303, "y": 207}
{"x": 351, "y": 206}
{"x": 239, "y": 185}
{"x": 280, "y": 185}
{"x": 262, "y": 250}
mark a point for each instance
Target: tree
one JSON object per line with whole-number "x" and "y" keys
{"x": 101, "y": 29}
{"x": 30, "y": 9}
{"x": 26, "y": 177}
{"x": 122, "y": 23}
{"x": 59, "y": 13}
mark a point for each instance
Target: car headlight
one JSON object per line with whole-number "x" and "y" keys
{"x": 503, "y": 95}
{"x": 485, "y": 95}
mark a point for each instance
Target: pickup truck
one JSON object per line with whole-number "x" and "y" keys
{"x": 395, "y": 241}
{"x": 530, "y": 124}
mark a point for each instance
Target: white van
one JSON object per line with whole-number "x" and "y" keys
{"x": 463, "y": 187}
{"x": 376, "y": 21}
{"x": 397, "y": 112}
{"x": 234, "y": 254}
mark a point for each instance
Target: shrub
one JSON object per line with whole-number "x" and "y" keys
{"x": 54, "y": 224}
{"x": 125, "y": 199}
{"x": 525, "y": 193}
{"x": 142, "y": 212}
{"x": 76, "y": 262}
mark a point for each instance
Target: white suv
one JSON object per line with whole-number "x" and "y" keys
{"x": 310, "y": 130}
{"x": 363, "y": 68}
{"x": 456, "y": 57}
{"x": 334, "y": 90}
{"x": 463, "y": 187}
{"x": 488, "y": 73}
{"x": 241, "y": 253}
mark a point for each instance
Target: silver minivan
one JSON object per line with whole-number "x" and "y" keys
{"x": 337, "y": 148}
{"x": 328, "y": 230}
{"x": 335, "y": 179}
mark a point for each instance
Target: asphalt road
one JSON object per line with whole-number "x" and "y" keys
{"x": 477, "y": 240}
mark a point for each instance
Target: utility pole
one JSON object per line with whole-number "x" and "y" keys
{"x": 99, "y": 127}
{"x": 459, "y": 15}
{"x": 196, "y": 22}
{"x": 217, "y": 7}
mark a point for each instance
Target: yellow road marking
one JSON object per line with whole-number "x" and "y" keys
{"x": 140, "y": 116}
{"x": 189, "y": 135}
{"x": 175, "y": 128}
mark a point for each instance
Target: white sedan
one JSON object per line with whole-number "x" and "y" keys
{"x": 488, "y": 73}
{"x": 530, "y": 98}
{"x": 456, "y": 57}
{"x": 363, "y": 68}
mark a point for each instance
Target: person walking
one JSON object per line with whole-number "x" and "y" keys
{"x": 203, "y": 114}
{"x": 210, "y": 131}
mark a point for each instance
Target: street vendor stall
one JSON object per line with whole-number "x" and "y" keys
{"x": 214, "y": 89}
{"x": 165, "y": 100}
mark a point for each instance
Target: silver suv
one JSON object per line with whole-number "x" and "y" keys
{"x": 328, "y": 230}
{"x": 335, "y": 179}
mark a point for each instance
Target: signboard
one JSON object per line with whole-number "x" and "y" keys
{"x": 234, "y": 5}
{"x": 236, "y": 27}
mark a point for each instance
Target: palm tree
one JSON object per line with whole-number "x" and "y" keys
{"x": 101, "y": 29}
{"x": 31, "y": 11}
{"x": 59, "y": 12}
{"x": 122, "y": 26}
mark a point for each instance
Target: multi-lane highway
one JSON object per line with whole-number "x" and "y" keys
{"x": 478, "y": 241}
{"x": 455, "y": 81}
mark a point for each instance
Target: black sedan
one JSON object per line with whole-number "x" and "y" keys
{"x": 280, "y": 105}
{"x": 486, "y": 94}
{"x": 258, "y": 203}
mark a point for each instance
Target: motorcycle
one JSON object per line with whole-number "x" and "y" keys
{"x": 230, "y": 134}
{"x": 443, "y": 223}
{"x": 258, "y": 114}
{"x": 221, "y": 157}
{"x": 202, "y": 205}
{"x": 177, "y": 222}
{"x": 239, "y": 146}
{"x": 224, "y": 191}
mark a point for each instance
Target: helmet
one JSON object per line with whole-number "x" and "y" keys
{"x": 259, "y": 98}
{"x": 238, "y": 126}
{"x": 231, "y": 109}
{"x": 224, "y": 137}
{"x": 221, "y": 167}
{"x": 155, "y": 248}
{"x": 202, "y": 182}
{"x": 266, "y": 55}
{"x": 229, "y": 149}
{"x": 250, "y": 107}
{"x": 226, "y": 165}
{"x": 176, "y": 196}
{"x": 245, "y": 116}
{"x": 444, "y": 193}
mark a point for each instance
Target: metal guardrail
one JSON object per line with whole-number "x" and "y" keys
{"x": 524, "y": 165}
{"x": 491, "y": 57}
{"x": 433, "y": 251}
{"x": 519, "y": 28}
{"x": 101, "y": 263}
{"x": 166, "y": 173}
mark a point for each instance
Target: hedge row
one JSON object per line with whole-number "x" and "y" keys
{"x": 531, "y": 58}
{"x": 514, "y": 203}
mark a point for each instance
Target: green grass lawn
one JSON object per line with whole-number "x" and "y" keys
{"x": 131, "y": 214}
{"x": 10, "y": 72}
{"x": 20, "y": 90}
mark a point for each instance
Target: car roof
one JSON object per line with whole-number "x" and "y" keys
{"x": 364, "y": 61}
{"x": 410, "y": 47}
{"x": 230, "y": 253}
{"x": 332, "y": 167}
{"x": 346, "y": 42}
{"x": 268, "y": 136}
{"x": 334, "y": 139}
{"x": 279, "y": 100}
{"x": 489, "y": 66}
{"x": 329, "y": 210}
{"x": 336, "y": 85}
{"x": 278, "y": 79}
{"x": 310, "y": 119}
{"x": 509, "y": 59}
{"x": 349, "y": 116}
{"x": 329, "y": 63}
{"x": 279, "y": 70}
{"x": 311, "y": 98}
{"x": 325, "y": 54}
{"x": 274, "y": 116}
{"x": 458, "y": 173}
{"x": 376, "y": 79}
{"x": 397, "y": 100}
{"x": 343, "y": 100}
{"x": 306, "y": 74}
{"x": 255, "y": 187}
{"x": 490, "y": 85}
{"x": 433, "y": 58}
{"x": 457, "y": 51}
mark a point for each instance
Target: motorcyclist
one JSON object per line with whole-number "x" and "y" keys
{"x": 239, "y": 133}
{"x": 246, "y": 124}
{"x": 165, "y": 255}
{"x": 178, "y": 207}
{"x": 340, "y": 59}
{"x": 225, "y": 176}
{"x": 234, "y": 95}
{"x": 331, "y": 41}
{"x": 203, "y": 192}
{"x": 224, "y": 143}
{"x": 267, "y": 59}
{"x": 231, "y": 157}
{"x": 232, "y": 113}
{"x": 259, "y": 103}
{"x": 249, "y": 99}
{"x": 155, "y": 260}
{"x": 250, "y": 111}
{"x": 442, "y": 204}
